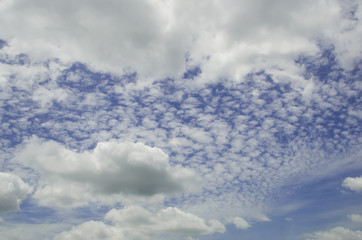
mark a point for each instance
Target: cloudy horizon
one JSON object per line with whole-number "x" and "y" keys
{"x": 166, "y": 119}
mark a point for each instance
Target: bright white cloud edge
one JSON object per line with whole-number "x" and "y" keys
{"x": 135, "y": 222}
{"x": 354, "y": 184}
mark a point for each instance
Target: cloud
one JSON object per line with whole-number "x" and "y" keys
{"x": 355, "y": 218}
{"x": 92, "y": 230}
{"x": 338, "y": 233}
{"x": 354, "y": 184}
{"x": 73, "y": 178}
{"x": 241, "y": 223}
{"x": 261, "y": 218}
{"x": 12, "y": 192}
{"x": 135, "y": 222}
{"x": 168, "y": 220}
{"x": 228, "y": 39}
{"x": 28, "y": 231}
{"x": 249, "y": 138}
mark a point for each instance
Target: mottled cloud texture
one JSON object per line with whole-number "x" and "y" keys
{"x": 168, "y": 119}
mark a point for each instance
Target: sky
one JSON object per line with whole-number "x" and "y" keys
{"x": 180, "y": 120}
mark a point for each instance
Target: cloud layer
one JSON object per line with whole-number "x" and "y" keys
{"x": 338, "y": 233}
{"x": 135, "y": 222}
{"x": 163, "y": 38}
{"x": 71, "y": 178}
{"x": 177, "y": 112}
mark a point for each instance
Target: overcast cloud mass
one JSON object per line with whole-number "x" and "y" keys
{"x": 167, "y": 119}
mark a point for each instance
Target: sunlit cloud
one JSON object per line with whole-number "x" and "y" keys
{"x": 180, "y": 119}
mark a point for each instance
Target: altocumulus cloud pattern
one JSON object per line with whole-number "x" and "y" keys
{"x": 166, "y": 119}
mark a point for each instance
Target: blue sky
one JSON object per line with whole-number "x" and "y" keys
{"x": 180, "y": 119}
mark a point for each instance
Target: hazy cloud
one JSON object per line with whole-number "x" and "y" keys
{"x": 355, "y": 218}
{"x": 338, "y": 233}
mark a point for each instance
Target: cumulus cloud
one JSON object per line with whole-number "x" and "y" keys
{"x": 92, "y": 230}
{"x": 226, "y": 38}
{"x": 338, "y": 233}
{"x": 13, "y": 191}
{"x": 241, "y": 223}
{"x": 71, "y": 178}
{"x": 135, "y": 222}
{"x": 354, "y": 184}
{"x": 355, "y": 218}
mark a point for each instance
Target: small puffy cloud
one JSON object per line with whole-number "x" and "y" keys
{"x": 355, "y": 218}
{"x": 12, "y": 192}
{"x": 72, "y": 178}
{"x": 261, "y": 218}
{"x": 354, "y": 184}
{"x": 241, "y": 223}
{"x": 135, "y": 222}
{"x": 338, "y": 233}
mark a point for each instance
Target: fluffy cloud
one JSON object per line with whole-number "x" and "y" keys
{"x": 241, "y": 223}
{"x": 355, "y": 218}
{"x": 338, "y": 233}
{"x": 227, "y": 38}
{"x": 92, "y": 230}
{"x": 71, "y": 178}
{"x": 135, "y": 222}
{"x": 168, "y": 220}
{"x": 354, "y": 184}
{"x": 12, "y": 192}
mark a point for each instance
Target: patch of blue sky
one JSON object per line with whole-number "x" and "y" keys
{"x": 2, "y": 43}
{"x": 191, "y": 73}
{"x": 32, "y": 213}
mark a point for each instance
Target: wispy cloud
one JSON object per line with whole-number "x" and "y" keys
{"x": 336, "y": 233}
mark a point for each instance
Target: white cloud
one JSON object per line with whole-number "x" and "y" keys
{"x": 261, "y": 218}
{"x": 338, "y": 233}
{"x": 125, "y": 34}
{"x": 135, "y": 222}
{"x": 227, "y": 38}
{"x": 355, "y": 218}
{"x": 241, "y": 223}
{"x": 12, "y": 192}
{"x": 71, "y": 178}
{"x": 92, "y": 230}
{"x": 168, "y": 220}
{"x": 354, "y": 184}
